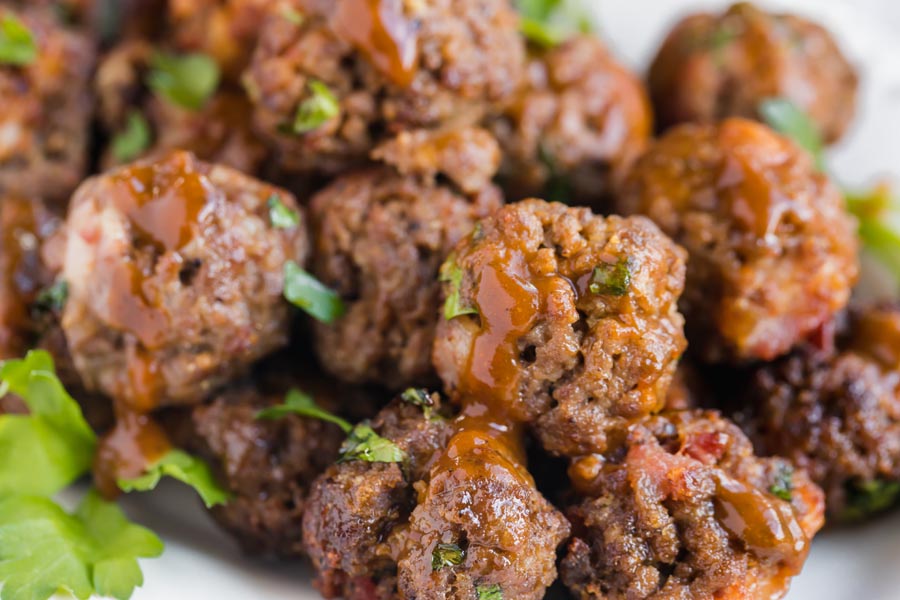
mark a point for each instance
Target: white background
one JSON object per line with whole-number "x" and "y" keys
{"x": 863, "y": 563}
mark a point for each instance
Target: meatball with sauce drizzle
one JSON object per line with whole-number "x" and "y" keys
{"x": 175, "y": 273}
{"x": 835, "y": 412}
{"x": 679, "y": 507}
{"x": 773, "y": 251}
{"x": 715, "y": 66}
{"x": 46, "y": 108}
{"x": 379, "y": 238}
{"x": 574, "y": 129}
{"x": 562, "y": 319}
{"x": 454, "y": 520}
{"x": 331, "y": 80}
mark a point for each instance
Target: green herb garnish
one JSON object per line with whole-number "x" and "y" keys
{"x": 309, "y": 294}
{"x": 42, "y": 452}
{"x": 878, "y": 212}
{"x": 316, "y": 110}
{"x": 52, "y": 299}
{"x": 17, "y": 45}
{"x": 489, "y": 592}
{"x": 301, "y": 404}
{"x": 452, "y": 274}
{"x": 45, "y": 550}
{"x": 783, "y": 486}
{"x": 188, "y": 80}
{"x": 185, "y": 468}
{"x": 292, "y": 15}
{"x": 787, "y": 118}
{"x": 280, "y": 215}
{"x": 417, "y": 397}
{"x": 446, "y": 555}
{"x": 548, "y": 23}
{"x": 870, "y": 497}
{"x": 558, "y": 187}
{"x": 611, "y": 279}
{"x": 131, "y": 142}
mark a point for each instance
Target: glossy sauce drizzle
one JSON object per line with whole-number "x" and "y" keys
{"x": 380, "y": 30}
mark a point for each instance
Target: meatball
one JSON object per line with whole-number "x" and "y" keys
{"x": 432, "y": 527}
{"x": 715, "y": 66}
{"x": 175, "y": 278}
{"x": 24, "y": 225}
{"x": 575, "y": 127}
{"x": 268, "y": 465}
{"x": 773, "y": 252}
{"x": 379, "y": 241}
{"x": 836, "y": 414}
{"x": 683, "y": 509}
{"x": 568, "y": 318}
{"x": 390, "y": 66}
{"x": 44, "y": 124}
{"x": 219, "y": 132}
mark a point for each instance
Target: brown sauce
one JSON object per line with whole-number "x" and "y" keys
{"x": 134, "y": 444}
{"x": 382, "y": 33}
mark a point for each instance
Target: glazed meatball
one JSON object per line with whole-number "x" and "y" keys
{"x": 44, "y": 124}
{"x": 379, "y": 240}
{"x": 773, "y": 252}
{"x": 567, "y": 318}
{"x": 716, "y": 66}
{"x": 219, "y": 132}
{"x": 175, "y": 278}
{"x": 429, "y": 528}
{"x": 390, "y": 66}
{"x": 575, "y": 127}
{"x": 24, "y": 226}
{"x": 836, "y": 413}
{"x": 683, "y": 509}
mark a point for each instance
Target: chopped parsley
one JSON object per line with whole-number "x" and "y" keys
{"x": 280, "y": 215}
{"x": 783, "y": 486}
{"x": 558, "y": 187}
{"x": 446, "y": 555}
{"x": 362, "y": 442}
{"x": 489, "y": 592}
{"x": 292, "y": 15}
{"x": 316, "y": 110}
{"x": 452, "y": 274}
{"x": 611, "y": 279}
{"x": 185, "y": 468}
{"x": 878, "y": 212}
{"x": 417, "y": 397}
{"x": 131, "y": 142}
{"x": 309, "y": 294}
{"x": 548, "y": 23}
{"x": 17, "y": 45}
{"x": 188, "y": 80}
{"x": 787, "y": 118}
{"x": 870, "y": 497}
{"x": 52, "y": 299}
{"x": 45, "y": 550}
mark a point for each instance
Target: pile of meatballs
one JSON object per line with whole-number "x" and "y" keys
{"x": 650, "y": 384}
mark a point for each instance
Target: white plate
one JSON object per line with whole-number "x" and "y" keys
{"x": 201, "y": 563}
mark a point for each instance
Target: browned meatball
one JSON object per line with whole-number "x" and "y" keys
{"x": 773, "y": 252}
{"x": 391, "y": 66}
{"x": 568, "y": 317}
{"x": 46, "y": 100}
{"x": 716, "y": 66}
{"x": 176, "y": 277}
{"x": 219, "y": 132}
{"x": 427, "y": 528}
{"x": 379, "y": 241}
{"x": 576, "y": 126}
{"x": 681, "y": 508}
{"x": 837, "y": 414}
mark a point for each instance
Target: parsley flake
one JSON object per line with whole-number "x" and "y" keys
{"x": 17, "y": 45}
{"x": 611, "y": 279}
{"x": 188, "y": 80}
{"x": 548, "y": 23}
{"x": 878, "y": 212}
{"x": 301, "y": 404}
{"x": 446, "y": 555}
{"x": 292, "y": 15}
{"x": 316, "y": 110}
{"x": 309, "y": 294}
{"x": 452, "y": 274}
{"x": 52, "y": 299}
{"x": 787, "y": 118}
{"x": 489, "y": 592}
{"x": 870, "y": 497}
{"x": 783, "y": 486}
{"x": 183, "y": 467}
{"x": 280, "y": 215}
{"x": 131, "y": 142}
{"x": 366, "y": 445}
